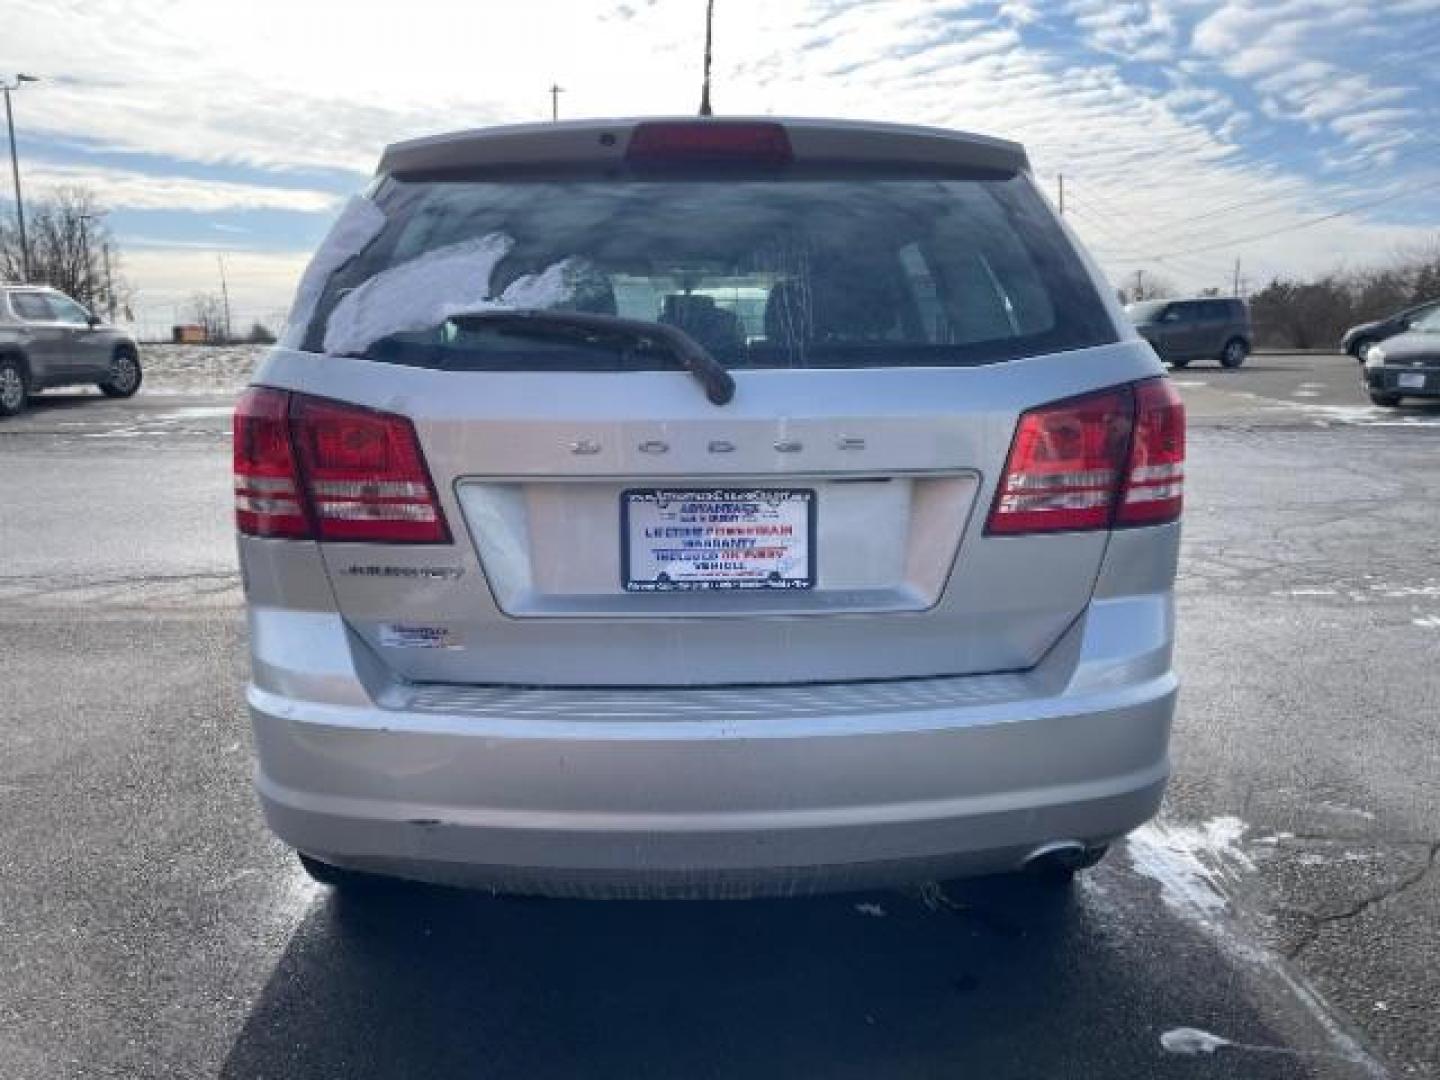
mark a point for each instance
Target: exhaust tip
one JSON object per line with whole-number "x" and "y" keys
{"x": 1060, "y": 857}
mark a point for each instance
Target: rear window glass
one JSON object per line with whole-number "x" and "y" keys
{"x": 800, "y": 272}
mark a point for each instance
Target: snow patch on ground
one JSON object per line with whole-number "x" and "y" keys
{"x": 187, "y": 370}
{"x": 1187, "y": 1040}
{"x": 1192, "y": 863}
{"x": 197, "y": 412}
{"x": 1195, "y": 867}
{"x": 1399, "y": 592}
{"x": 1356, "y": 415}
{"x": 1316, "y": 859}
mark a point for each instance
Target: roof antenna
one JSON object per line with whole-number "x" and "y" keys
{"x": 705, "y": 87}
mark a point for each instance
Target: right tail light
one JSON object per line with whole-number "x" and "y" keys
{"x": 1155, "y": 474}
{"x": 314, "y": 469}
{"x": 1106, "y": 460}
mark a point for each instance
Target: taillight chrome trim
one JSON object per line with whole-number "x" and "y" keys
{"x": 359, "y": 511}
{"x": 369, "y": 489}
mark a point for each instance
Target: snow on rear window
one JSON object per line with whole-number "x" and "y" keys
{"x": 761, "y": 272}
{"x": 357, "y": 226}
{"x": 426, "y": 291}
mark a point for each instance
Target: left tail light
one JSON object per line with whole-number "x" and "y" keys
{"x": 268, "y": 497}
{"x": 308, "y": 467}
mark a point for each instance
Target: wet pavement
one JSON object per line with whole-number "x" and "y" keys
{"x": 1287, "y": 901}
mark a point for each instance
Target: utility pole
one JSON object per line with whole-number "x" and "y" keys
{"x": 1060, "y": 183}
{"x": 1236, "y": 290}
{"x": 224, "y": 294}
{"x": 705, "y": 86}
{"x": 15, "y": 172}
{"x": 555, "y": 91}
{"x": 109, "y": 282}
{"x": 84, "y": 284}
{"x": 1139, "y": 284}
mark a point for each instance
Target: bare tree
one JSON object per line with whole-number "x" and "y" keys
{"x": 1145, "y": 286}
{"x": 71, "y": 249}
{"x": 207, "y": 310}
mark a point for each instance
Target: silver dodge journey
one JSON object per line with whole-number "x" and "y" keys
{"x": 713, "y": 507}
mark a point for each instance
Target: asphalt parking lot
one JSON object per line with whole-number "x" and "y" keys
{"x": 1286, "y": 902}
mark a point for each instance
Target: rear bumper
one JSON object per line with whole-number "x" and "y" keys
{"x": 1388, "y": 380}
{"x": 720, "y": 792}
{"x": 702, "y": 852}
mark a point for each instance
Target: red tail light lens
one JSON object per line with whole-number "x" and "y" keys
{"x": 309, "y": 467}
{"x": 1106, "y": 460}
{"x": 682, "y": 142}
{"x": 1155, "y": 480}
{"x": 365, "y": 475}
{"x": 268, "y": 498}
{"x": 1064, "y": 465}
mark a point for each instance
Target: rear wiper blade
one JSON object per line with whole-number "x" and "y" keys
{"x": 585, "y": 326}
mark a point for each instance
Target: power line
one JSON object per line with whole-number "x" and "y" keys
{"x": 1180, "y": 231}
{"x": 1292, "y": 228}
{"x": 1193, "y": 267}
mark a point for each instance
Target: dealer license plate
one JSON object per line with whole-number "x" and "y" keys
{"x": 717, "y": 538}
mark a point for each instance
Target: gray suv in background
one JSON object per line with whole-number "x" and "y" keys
{"x": 47, "y": 340}
{"x": 1202, "y": 329}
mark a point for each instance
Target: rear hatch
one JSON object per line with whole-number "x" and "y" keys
{"x": 889, "y": 305}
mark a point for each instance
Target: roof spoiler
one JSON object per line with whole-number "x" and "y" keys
{"x": 579, "y": 143}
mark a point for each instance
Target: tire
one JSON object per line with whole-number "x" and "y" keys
{"x": 125, "y": 375}
{"x": 1234, "y": 353}
{"x": 1178, "y": 363}
{"x": 1361, "y": 347}
{"x": 14, "y": 385}
{"x": 1384, "y": 400}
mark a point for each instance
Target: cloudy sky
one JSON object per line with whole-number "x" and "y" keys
{"x": 1189, "y": 132}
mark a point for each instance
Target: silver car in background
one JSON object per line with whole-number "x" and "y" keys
{"x": 707, "y": 508}
{"x": 49, "y": 340}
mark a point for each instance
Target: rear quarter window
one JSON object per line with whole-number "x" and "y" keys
{"x": 31, "y": 307}
{"x": 765, "y": 272}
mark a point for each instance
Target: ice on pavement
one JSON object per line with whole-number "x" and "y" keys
{"x": 1193, "y": 865}
{"x": 1191, "y": 862}
{"x": 1188, "y": 1040}
{"x": 358, "y": 224}
{"x": 427, "y": 290}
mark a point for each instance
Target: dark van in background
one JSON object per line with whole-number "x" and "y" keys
{"x": 1203, "y": 329}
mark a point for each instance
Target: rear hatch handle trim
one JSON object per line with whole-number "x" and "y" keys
{"x": 719, "y": 384}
